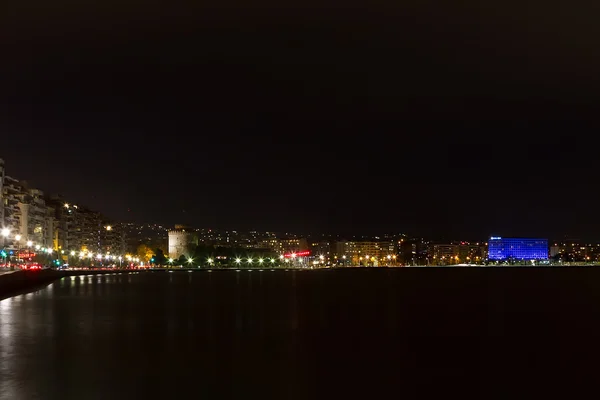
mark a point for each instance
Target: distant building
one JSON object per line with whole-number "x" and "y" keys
{"x": 444, "y": 254}
{"x": 574, "y": 251}
{"x": 322, "y": 248}
{"x": 364, "y": 252}
{"x": 291, "y": 245}
{"x": 501, "y": 249}
{"x": 414, "y": 251}
{"x": 555, "y": 251}
{"x": 456, "y": 253}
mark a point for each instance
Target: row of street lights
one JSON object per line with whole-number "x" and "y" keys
{"x": 6, "y": 233}
{"x": 83, "y": 255}
{"x": 237, "y": 261}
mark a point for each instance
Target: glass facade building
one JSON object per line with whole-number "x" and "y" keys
{"x": 517, "y": 248}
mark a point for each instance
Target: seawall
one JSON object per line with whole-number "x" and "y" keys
{"x": 18, "y": 282}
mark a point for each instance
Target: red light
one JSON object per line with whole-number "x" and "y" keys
{"x": 298, "y": 254}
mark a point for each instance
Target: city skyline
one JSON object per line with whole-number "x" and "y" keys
{"x": 433, "y": 235}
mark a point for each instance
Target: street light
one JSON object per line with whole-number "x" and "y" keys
{"x": 5, "y": 232}
{"x": 18, "y": 239}
{"x": 29, "y": 243}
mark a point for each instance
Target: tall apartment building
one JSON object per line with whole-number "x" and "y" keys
{"x": 26, "y": 213}
{"x": 112, "y": 239}
{"x": 52, "y": 221}
{"x": 80, "y": 229}
{"x": 11, "y": 191}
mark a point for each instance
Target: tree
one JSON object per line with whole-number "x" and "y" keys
{"x": 182, "y": 260}
{"x": 144, "y": 252}
{"x": 159, "y": 257}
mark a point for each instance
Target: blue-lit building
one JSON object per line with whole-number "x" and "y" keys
{"x": 500, "y": 248}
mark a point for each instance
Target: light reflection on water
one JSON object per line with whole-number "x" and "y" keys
{"x": 86, "y": 330}
{"x": 270, "y": 335}
{"x": 8, "y": 389}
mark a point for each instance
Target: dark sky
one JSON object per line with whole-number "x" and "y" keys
{"x": 435, "y": 120}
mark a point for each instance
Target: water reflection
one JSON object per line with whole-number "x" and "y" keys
{"x": 278, "y": 335}
{"x": 6, "y": 317}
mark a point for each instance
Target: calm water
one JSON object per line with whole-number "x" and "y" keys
{"x": 299, "y": 335}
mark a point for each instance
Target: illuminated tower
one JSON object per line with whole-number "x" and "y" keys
{"x": 180, "y": 241}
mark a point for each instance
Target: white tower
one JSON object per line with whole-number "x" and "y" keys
{"x": 180, "y": 239}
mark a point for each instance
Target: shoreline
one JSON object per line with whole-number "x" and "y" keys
{"x": 20, "y": 282}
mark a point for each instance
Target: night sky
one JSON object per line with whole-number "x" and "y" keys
{"x": 448, "y": 122}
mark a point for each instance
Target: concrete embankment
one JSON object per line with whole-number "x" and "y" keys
{"x": 18, "y": 282}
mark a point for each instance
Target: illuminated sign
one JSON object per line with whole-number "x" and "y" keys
{"x": 495, "y": 238}
{"x": 26, "y": 255}
{"x": 298, "y": 254}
